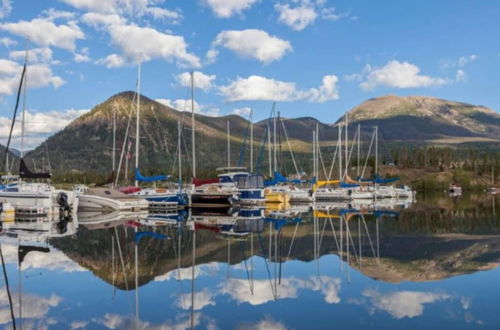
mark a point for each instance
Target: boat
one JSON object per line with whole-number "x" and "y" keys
{"x": 110, "y": 199}
{"x": 211, "y": 193}
{"x": 277, "y": 194}
{"x": 249, "y": 186}
{"x": 24, "y": 195}
{"x": 300, "y": 195}
{"x": 454, "y": 190}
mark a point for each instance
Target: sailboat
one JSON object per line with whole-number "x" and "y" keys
{"x": 157, "y": 197}
{"x": 208, "y": 193}
{"x": 29, "y": 197}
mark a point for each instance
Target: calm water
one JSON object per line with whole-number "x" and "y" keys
{"x": 432, "y": 265}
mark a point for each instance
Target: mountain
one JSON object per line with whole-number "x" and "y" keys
{"x": 86, "y": 144}
{"x": 426, "y": 118}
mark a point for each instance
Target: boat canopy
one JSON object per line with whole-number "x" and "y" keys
{"x": 25, "y": 173}
{"x": 348, "y": 185}
{"x": 140, "y": 177}
{"x": 378, "y": 179}
{"x": 279, "y": 178}
{"x": 201, "y": 182}
{"x": 249, "y": 181}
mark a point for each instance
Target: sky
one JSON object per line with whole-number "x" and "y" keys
{"x": 314, "y": 58}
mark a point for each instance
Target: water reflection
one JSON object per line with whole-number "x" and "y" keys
{"x": 362, "y": 265}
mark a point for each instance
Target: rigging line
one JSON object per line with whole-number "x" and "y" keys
{"x": 290, "y": 147}
{"x": 321, "y": 237}
{"x": 8, "y": 289}
{"x": 123, "y": 265}
{"x": 14, "y": 117}
{"x": 352, "y": 149}
{"x": 164, "y": 136}
{"x": 333, "y": 162}
{"x": 125, "y": 138}
{"x": 265, "y": 262}
{"x": 368, "y": 155}
{"x": 352, "y": 243}
{"x": 246, "y": 267}
{"x": 334, "y": 233}
{"x": 321, "y": 159}
{"x": 368, "y": 235}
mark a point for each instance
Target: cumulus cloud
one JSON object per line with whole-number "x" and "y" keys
{"x": 83, "y": 56}
{"x": 257, "y": 88}
{"x": 36, "y": 55}
{"x": 38, "y": 125}
{"x": 243, "y": 112}
{"x": 297, "y": 18}
{"x": 186, "y": 273}
{"x": 112, "y": 61}
{"x": 7, "y": 42}
{"x": 398, "y": 75}
{"x": 39, "y": 75}
{"x": 5, "y": 8}
{"x": 185, "y": 105}
{"x": 401, "y": 304}
{"x": 226, "y": 9}
{"x": 252, "y": 43}
{"x": 141, "y": 43}
{"x": 78, "y": 325}
{"x": 299, "y": 14}
{"x": 44, "y": 32}
{"x": 464, "y": 60}
{"x": 202, "y": 299}
{"x": 132, "y": 8}
{"x": 266, "y": 324}
{"x": 460, "y": 76}
{"x": 34, "y": 306}
{"x": 116, "y": 321}
{"x": 239, "y": 290}
{"x": 201, "y": 80}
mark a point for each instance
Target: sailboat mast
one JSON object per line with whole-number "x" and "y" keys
{"x": 228, "y": 146}
{"x": 114, "y": 145}
{"x": 138, "y": 114}
{"x": 314, "y": 154}
{"x": 24, "y": 102}
{"x": 269, "y": 149}
{"x": 274, "y": 138}
{"x": 192, "y": 125}
{"x": 340, "y": 151}
{"x": 179, "y": 150}
{"x": 251, "y": 140}
{"x": 376, "y": 150}
{"x": 317, "y": 150}
{"x": 359, "y": 146}
{"x": 346, "y": 145}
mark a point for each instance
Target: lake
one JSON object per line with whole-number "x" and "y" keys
{"x": 433, "y": 264}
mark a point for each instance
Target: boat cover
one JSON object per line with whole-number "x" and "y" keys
{"x": 140, "y": 177}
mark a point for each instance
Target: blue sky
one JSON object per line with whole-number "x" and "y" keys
{"x": 314, "y": 57}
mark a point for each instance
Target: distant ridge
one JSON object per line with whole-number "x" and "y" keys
{"x": 85, "y": 144}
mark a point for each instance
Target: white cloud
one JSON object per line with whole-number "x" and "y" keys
{"x": 202, "y": 299}
{"x": 115, "y": 321}
{"x": 327, "y": 91}
{"x": 243, "y": 112}
{"x": 44, "y": 32}
{"x": 299, "y": 14}
{"x": 185, "y": 105}
{"x": 226, "y": 9}
{"x": 460, "y": 76}
{"x": 36, "y": 55}
{"x": 38, "y": 125}
{"x": 132, "y": 8}
{"x": 253, "y": 43}
{"x": 239, "y": 290}
{"x": 7, "y": 42}
{"x": 98, "y": 20}
{"x": 186, "y": 273}
{"x": 297, "y": 18}
{"x": 144, "y": 43}
{"x": 353, "y": 77}
{"x": 34, "y": 307}
{"x": 398, "y": 75}
{"x": 83, "y": 57}
{"x": 39, "y": 75}
{"x": 257, "y": 88}
{"x": 201, "y": 80}
{"x": 53, "y": 14}
{"x": 464, "y": 60}
{"x": 78, "y": 325}
{"x": 401, "y": 304}
{"x": 5, "y": 8}
{"x": 266, "y": 324}
{"x": 112, "y": 61}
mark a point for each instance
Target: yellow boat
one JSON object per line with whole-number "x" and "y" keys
{"x": 277, "y": 194}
